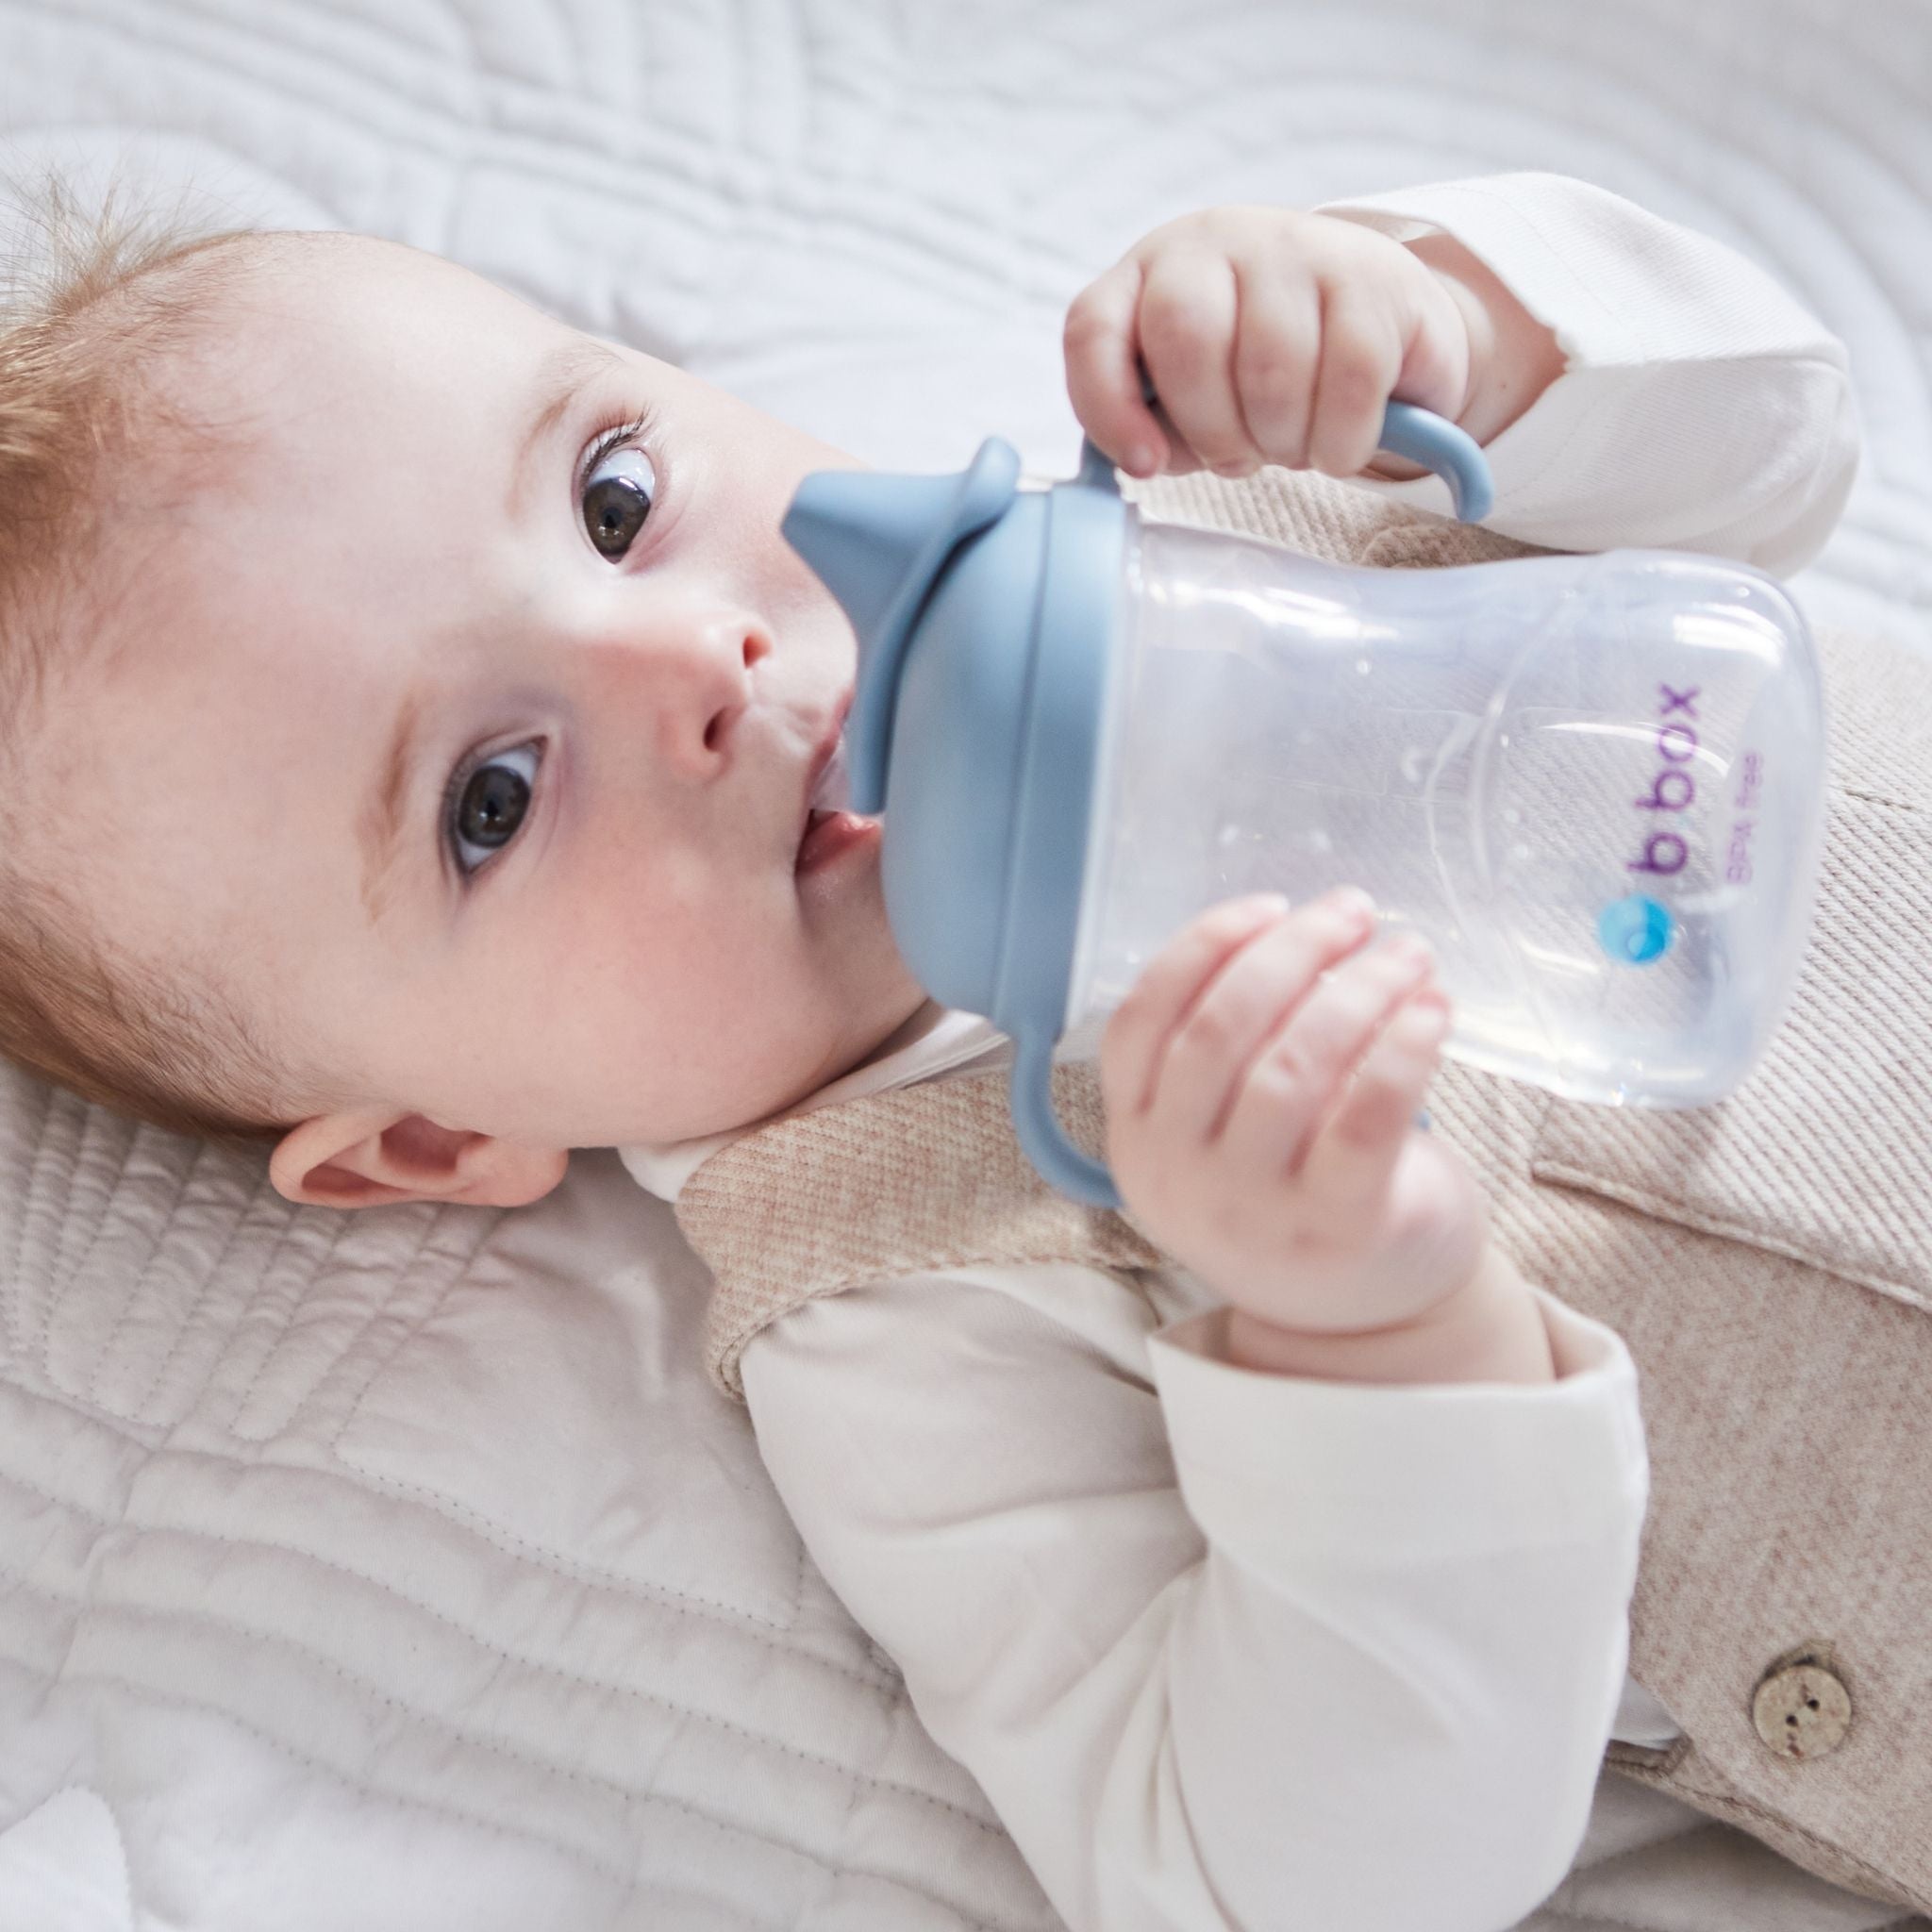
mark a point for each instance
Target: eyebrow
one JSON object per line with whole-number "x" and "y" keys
{"x": 382, "y": 823}
{"x": 560, "y": 375}
{"x": 563, "y": 372}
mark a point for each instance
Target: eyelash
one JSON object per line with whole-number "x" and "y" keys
{"x": 452, "y": 795}
{"x": 607, "y": 442}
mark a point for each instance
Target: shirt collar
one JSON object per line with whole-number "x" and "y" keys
{"x": 935, "y": 1039}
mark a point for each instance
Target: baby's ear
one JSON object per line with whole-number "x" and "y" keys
{"x": 363, "y": 1160}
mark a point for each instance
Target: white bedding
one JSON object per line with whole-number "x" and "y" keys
{"x": 404, "y": 1572}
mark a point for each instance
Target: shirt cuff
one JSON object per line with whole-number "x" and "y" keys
{"x": 1508, "y": 229}
{"x": 1530, "y": 232}
{"x": 1670, "y": 340}
{"x": 1281, "y": 1471}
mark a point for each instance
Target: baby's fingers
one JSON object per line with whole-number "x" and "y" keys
{"x": 1187, "y": 322}
{"x": 1300, "y": 1077}
{"x": 1276, "y": 357}
{"x": 1131, "y": 1048}
{"x": 1352, "y": 1159}
{"x": 1104, "y": 380}
{"x": 1361, "y": 358}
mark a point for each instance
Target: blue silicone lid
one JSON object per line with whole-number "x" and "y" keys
{"x": 985, "y": 617}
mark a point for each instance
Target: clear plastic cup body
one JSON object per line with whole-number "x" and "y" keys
{"x": 1594, "y": 784}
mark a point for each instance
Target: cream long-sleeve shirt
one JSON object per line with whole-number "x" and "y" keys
{"x": 1227, "y": 1649}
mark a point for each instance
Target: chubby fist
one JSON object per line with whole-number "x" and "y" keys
{"x": 1270, "y": 336}
{"x": 1261, "y": 1081}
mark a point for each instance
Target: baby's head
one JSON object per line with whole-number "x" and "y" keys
{"x": 410, "y": 706}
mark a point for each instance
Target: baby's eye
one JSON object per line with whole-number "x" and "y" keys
{"x": 487, "y": 805}
{"x": 618, "y": 491}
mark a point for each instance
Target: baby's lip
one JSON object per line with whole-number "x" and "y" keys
{"x": 832, "y": 789}
{"x": 821, "y": 757}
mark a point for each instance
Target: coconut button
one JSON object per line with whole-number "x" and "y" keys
{"x": 1802, "y": 1710}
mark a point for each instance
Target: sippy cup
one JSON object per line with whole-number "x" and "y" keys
{"x": 1594, "y": 784}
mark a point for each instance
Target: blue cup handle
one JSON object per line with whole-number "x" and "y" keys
{"x": 1419, "y": 435}
{"x": 1437, "y": 444}
{"x": 1042, "y": 1140}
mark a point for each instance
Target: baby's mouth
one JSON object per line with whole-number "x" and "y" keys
{"x": 827, "y": 833}
{"x": 829, "y": 826}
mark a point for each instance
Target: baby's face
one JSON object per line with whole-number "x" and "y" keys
{"x": 495, "y": 818}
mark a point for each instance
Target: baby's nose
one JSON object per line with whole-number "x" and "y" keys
{"x": 708, "y": 665}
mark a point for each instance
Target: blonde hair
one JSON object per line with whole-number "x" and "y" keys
{"x": 88, "y": 301}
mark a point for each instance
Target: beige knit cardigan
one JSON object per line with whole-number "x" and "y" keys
{"x": 1768, "y": 1260}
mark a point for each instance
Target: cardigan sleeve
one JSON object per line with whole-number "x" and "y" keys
{"x": 1224, "y": 1649}
{"x": 1701, "y": 407}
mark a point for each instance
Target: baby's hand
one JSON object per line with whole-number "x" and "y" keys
{"x": 1269, "y": 337}
{"x": 1260, "y": 1117}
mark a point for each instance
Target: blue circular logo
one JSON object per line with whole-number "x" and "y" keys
{"x": 1636, "y": 930}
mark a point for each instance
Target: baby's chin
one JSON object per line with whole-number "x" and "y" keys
{"x": 884, "y": 1024}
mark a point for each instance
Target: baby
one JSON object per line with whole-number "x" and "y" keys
{"x": 420, "y": 712}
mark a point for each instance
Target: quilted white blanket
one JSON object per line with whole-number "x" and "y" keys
{"x": 402, "y": 1570}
